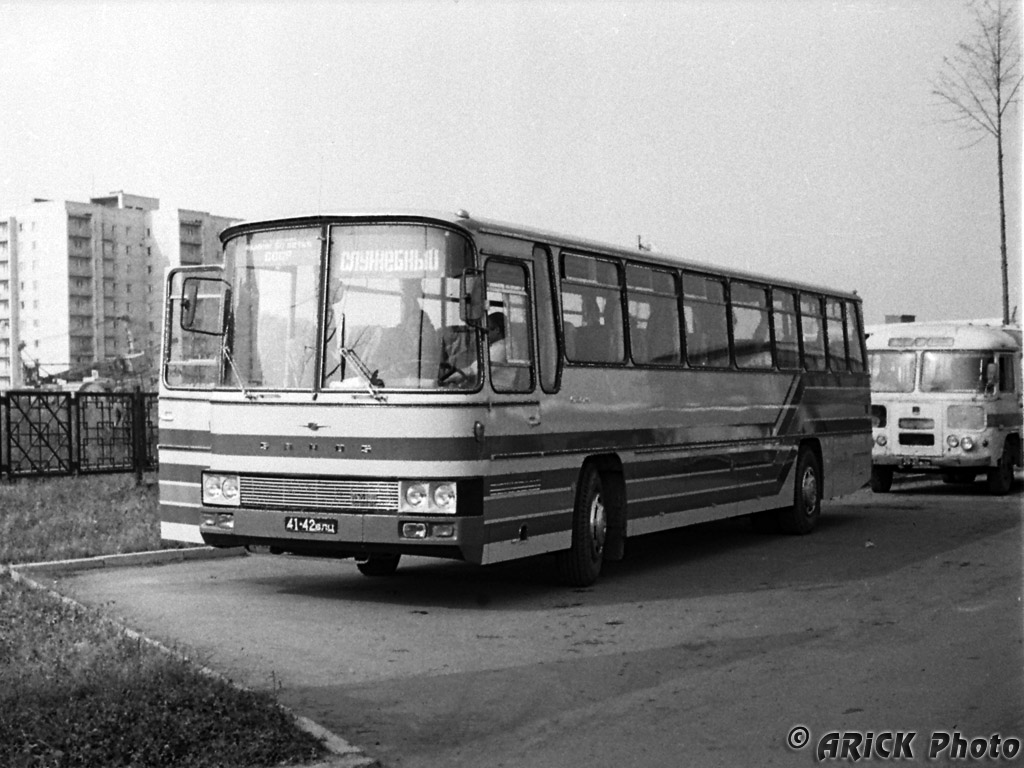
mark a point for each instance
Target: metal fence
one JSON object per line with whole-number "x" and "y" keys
{"x": 69, "y": 433}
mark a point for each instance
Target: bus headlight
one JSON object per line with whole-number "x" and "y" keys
{"x": 881, "y": 440}
{"x": 433, "y": 497}
{"x": 220, "y": 490}
{"x": 967, "y": 444}
{"x": 444, "y": 497}
{"x": 415, "y": 495}
{"x": 952, "y": 441}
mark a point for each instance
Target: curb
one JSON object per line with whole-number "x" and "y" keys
{"x": 342, "y": 754}
{"x": 155, "y": 557}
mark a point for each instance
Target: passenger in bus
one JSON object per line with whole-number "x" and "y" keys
{"x": 496, "y": 338}
{"x": 465, "y": 375}
{"x": 412, "y": 348}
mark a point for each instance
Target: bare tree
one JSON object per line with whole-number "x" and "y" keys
{"x": 979, "y": 84}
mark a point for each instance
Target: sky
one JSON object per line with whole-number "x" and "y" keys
{"x": 798, "y": 138}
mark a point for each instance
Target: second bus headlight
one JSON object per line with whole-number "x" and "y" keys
{"x": 433, "y": 497}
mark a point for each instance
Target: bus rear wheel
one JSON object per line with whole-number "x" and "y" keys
{"x": 379, "y": 565}
{"x": 881, "y": 479}
{"x": 803, "y": 516}
{"x": 580, "y": 565}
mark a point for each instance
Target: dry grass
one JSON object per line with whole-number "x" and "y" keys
{"x": 74, "y": 690}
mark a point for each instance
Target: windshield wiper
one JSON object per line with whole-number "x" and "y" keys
{"x": 238, "y": 377}
{"x": 373, "y": 382}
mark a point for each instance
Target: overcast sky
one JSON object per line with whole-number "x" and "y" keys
{"x": 793, "y": 137}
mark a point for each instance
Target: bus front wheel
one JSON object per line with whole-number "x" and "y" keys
{"x": 580, "y": 565}
{"x": 1000, "y": 477}
{"x": 803, "y": 516}
{"x": 379, "y": 565}
{"x": 881, "y": 479}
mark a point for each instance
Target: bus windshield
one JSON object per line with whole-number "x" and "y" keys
{"x": 954, "y": 371}
{"x": 393, "y": 309}
{"x": 893, "y": 371}
{"x": 391, "y": 313}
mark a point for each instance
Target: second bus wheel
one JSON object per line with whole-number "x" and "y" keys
{"x": 881, "y": 478}
{"x": 379, "y": 565}
{"x": 580, "y": 565}
{"x": 803, "y": 516}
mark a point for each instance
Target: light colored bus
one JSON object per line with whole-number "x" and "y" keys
{"x": 946, "y": 398}
{"x": 370, "y": 386}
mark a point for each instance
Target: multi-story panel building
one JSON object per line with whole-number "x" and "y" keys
{"x": 82, "y": 283}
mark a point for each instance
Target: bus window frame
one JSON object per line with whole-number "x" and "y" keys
{"x": 530, "y": 312}
{"x": 723, "y": 280}
{"x": 624, "y": 360}
{"x": 677, "y": 285}
{"x": 768, "y": 309}
{"x": 828, "y": 336}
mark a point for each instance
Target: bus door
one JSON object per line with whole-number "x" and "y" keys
{"x": 511, "y": 371}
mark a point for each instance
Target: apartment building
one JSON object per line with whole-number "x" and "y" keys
{"x": 82, "y": 283}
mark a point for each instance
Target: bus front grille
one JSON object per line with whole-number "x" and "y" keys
{"x": 318, "y": 493}
{"x": 916, "y": 438}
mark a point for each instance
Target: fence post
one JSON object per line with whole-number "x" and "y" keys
{"x": 138, "y": 433}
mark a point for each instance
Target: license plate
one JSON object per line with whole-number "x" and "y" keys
{"x": 311, "y": 525}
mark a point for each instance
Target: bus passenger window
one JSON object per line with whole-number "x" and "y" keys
{"x": 854, "y": 337}
{"x": 592, "y": 310}
{"x": 751, "y": 340}
{"x": 707, "y": 323}
{"x": 836, "y": 335}
{"x": 653, "y": 316}
{"x": 812, "y": 324}
{"x": 787, "y": 338}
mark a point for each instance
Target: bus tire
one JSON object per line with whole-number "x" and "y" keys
{"x": 881, "y": 479}
{"x": 1000, "y": 477}
{"x": 580, "y": 565}
{"x": 379, "y": 565}
{"x": 803, "y": 516}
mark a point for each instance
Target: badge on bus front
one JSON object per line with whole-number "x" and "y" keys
{"x": 311, "y": 525}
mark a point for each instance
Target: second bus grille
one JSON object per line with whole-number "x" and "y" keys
{"x": 318, "y": 493}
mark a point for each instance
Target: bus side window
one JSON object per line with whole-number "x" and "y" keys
{"x": 653, "y": 316}
{"x": 812, "y": 325}
{"x": 508, "y": 312}
{"x": 547, "y": 333}
{"x": 707, "y": 323}
{"x": 752, "y": 344}
{"x": 1007, "y": 379}
{"x": 592, "y": 310}
{"x": 854, "y": 337}
{"x": 787, "y": 337}
{"x": 836, "y": 335}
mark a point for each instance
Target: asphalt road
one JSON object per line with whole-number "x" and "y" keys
{"x": 705, "y": 647}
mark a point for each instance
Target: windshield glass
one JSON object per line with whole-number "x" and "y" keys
{"x": 893, "y": 371}
{"x": 393, "y": 309}
{"x": 954, "y": 371}
{"x": 272, "y": 326}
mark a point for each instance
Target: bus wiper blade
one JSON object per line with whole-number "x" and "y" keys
{"x": 238, "y": 377}
{"x": 373, "y": 382}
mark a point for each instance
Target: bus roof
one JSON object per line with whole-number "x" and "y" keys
{"x": 463, "y": 220}
{"x": 948, "y": 334}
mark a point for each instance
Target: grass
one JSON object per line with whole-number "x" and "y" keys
{"x": 75, "y": 690}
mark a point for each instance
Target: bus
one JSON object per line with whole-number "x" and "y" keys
{"x": 334, "y": 388}
{"x": 946, "y": 399}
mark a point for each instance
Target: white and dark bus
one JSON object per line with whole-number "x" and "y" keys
{"x": 946, "y": 399}
{"x": 372, "y": 386}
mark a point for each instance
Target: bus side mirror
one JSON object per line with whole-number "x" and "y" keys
{"x": 203, "y": 300}
{"x": 472, "y": 306}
